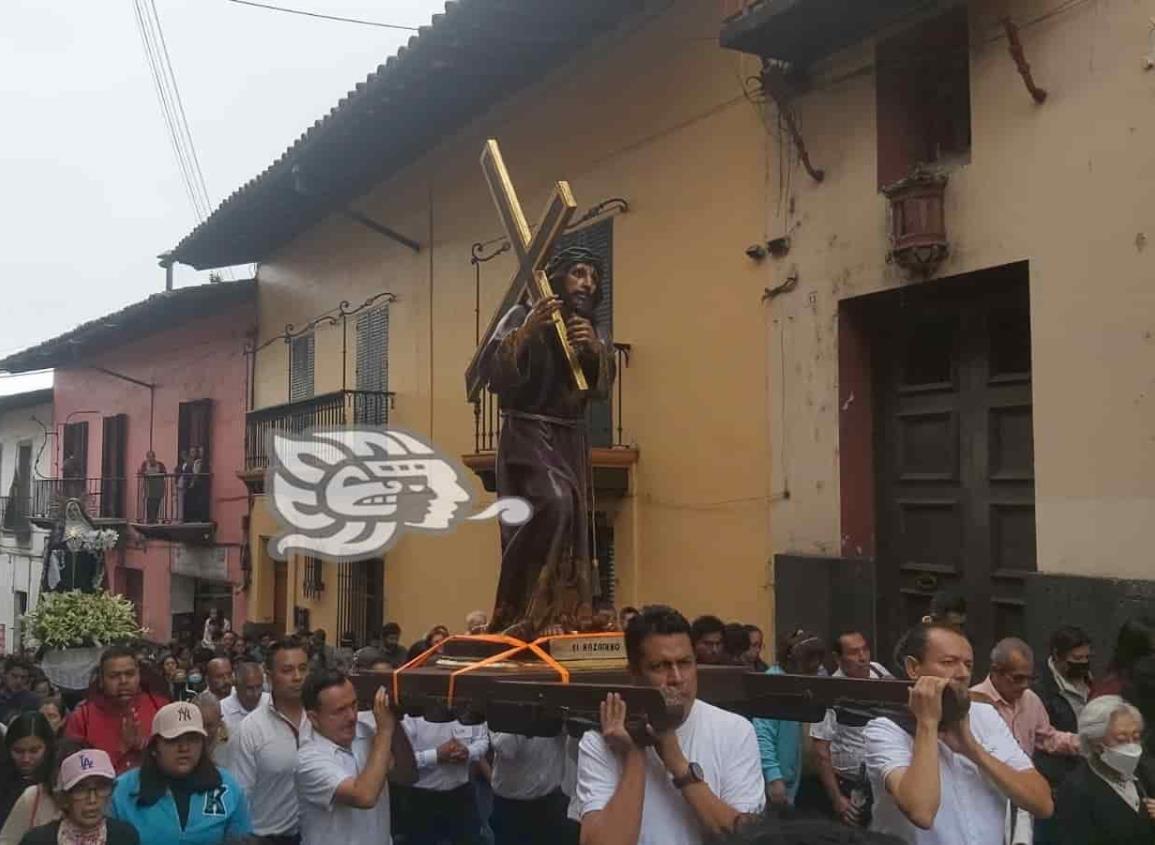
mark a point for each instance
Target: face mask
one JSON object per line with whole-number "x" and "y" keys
{"x": 1123, "y": 758}
{"x": 194, "y": 679}
{"x": 1078, "y": 671}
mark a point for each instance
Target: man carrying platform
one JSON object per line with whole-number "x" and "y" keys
{"x": 696, "y": 781}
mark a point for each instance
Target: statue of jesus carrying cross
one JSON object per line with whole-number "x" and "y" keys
{"x": 545, "y": 357}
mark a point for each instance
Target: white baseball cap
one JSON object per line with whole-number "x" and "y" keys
{"x": 88, "y": 763}
{"x": 178, "y": 719}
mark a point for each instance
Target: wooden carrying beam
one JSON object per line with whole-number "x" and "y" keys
{"x": 531, "y": 701}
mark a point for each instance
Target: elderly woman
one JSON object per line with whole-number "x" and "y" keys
{"x": 178, "y": 796}
{"x": 85, "y": 782}
{"x": 1110, "y": 798}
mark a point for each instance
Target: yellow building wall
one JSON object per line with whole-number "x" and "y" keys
{"x": 1068, "y": 186}
{"x": 718, "y": 378}
{"x": 658, "y": 116}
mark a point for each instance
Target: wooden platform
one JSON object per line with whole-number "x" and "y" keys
{"x": 478, "y": 682}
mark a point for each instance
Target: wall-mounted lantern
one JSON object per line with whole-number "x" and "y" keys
{"x": 918, "y": 240}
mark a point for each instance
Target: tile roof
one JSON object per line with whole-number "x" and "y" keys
{"x": 473, "y": 55}
{"x": 157, "y": 313}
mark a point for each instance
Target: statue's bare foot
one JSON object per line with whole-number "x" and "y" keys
{"x": 520, "y": 630}
{"x": 585, "y": 618}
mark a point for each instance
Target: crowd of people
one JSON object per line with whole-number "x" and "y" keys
{"x": 257, "y": 739}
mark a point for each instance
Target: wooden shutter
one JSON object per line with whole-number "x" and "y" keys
{"x": 301, "y": 362}
{"x": 373, "y": 349}
{"x": 76, "y": 445}
{"x": 112, "y": 470}
{"x": 194, "y": 426}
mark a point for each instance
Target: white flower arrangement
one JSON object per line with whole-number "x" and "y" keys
{"x": 94, "y": 540}
{"x": 75, "y": 620}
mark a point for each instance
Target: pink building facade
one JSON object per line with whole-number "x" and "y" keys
{"x": 167, "y": 375}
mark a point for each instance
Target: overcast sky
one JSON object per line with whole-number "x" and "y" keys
{"x": 90, "y": 191}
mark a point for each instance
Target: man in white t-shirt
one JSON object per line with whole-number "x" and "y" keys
{"x": 947, "y": 784}
{"x": 697, "y": 780}
{"x": 342, "y": 768}
{"x": 839, "y": 748}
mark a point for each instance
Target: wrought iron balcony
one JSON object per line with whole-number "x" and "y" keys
{"x": 102, "y": 499}
{"x": 340, "y": 408}
{"x": 611, "y": 455}
{"x": 175, "y": 506}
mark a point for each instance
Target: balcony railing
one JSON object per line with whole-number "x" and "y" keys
{"x": 102, "y": 498}
{"x": 341, "y": 408}
{"x": 174, "y": 498}
{"x": 604, "y": 416}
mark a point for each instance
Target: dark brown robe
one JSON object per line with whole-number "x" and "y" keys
{"x": 543, "y": 456}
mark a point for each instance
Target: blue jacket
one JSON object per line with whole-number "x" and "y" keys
{"x": 780, "y": 746}
{"x": 216, "y": 816}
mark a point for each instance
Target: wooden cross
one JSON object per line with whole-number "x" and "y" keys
{"x": 532, "y": 253}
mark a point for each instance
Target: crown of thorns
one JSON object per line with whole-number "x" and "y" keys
{"x": 564, "y": 259}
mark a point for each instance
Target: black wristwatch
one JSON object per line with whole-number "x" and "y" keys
{"x": 692, "y": 775}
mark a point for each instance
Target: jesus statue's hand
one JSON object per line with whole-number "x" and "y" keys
{"x": 541, "y": 314}
{"x": 581, "y": 332}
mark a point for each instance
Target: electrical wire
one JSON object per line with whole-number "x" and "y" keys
{"x": 166, "y": 111}
{"x": 172, "y": 110}
{"x": 192, "y": 151}
{"x": 325, "y": 17}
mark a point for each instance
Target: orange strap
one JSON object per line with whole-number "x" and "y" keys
{"x": 562, "y": 672}
{"x": 515, "y": 646}
{"x": 421, "y": 659}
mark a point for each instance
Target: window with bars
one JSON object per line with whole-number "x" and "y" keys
{"x": 301, "y": 364}
{"x": 312, "y": 583}
{"x": 599, "y": 238}
{"x": 602, "y": 537}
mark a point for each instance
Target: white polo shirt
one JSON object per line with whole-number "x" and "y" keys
{"x": 971, "y": 810}
{"x": 722, "y": 743}
{"x": 526, "y": 767}
{"x": 265, "y": 763}
{"x": 847, "y": 742}
{"x": 321, "y": 768}
{"x": 425, "y": 737}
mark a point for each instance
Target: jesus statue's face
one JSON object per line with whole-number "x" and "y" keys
{"x": 580, "y": 287}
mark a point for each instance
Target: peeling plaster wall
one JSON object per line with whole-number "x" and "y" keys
{"x": 1068, "y": 186}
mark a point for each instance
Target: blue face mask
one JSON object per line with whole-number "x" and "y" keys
{"x": 194, "y": 679}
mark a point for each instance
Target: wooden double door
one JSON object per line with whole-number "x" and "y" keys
{"x": 954, "y": 455}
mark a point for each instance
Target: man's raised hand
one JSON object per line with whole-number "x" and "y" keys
{"x": 613, "y": 717}
{"x": 382, "y": 712}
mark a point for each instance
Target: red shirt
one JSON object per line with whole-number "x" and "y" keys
{"x": 101, "y": 725}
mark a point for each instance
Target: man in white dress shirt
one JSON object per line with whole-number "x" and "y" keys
{"x": 528, "y": 804}
{"x": 265, "y": 755}
{"x": 248, "y": 693}
{"x": 343, "y": 768}
{"x": 947, "y": 784}
{"x": 840, "y": 749}
{"x": 443, "y": 805}
{"x": 698, "y": 780}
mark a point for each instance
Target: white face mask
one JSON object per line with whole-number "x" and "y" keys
{"x": 1123, "y": 758}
